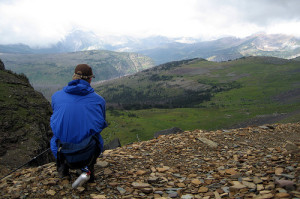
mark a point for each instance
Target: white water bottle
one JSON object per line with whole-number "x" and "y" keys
{"x": 83, "y": 178}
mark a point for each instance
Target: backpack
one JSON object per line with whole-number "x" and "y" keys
{"x": 79, "y": 155}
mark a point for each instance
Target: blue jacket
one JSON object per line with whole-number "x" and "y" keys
{"x": 78, "y": 112}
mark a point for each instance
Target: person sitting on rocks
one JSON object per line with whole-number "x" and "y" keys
{"x": 77, "y": 121}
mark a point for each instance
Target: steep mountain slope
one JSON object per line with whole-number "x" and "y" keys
{"x": 24, "y": 122}
{"x": 48, "y": 72}
{"x": 253, "y": 162}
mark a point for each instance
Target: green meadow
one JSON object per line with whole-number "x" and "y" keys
{"x": 131, "y": 126}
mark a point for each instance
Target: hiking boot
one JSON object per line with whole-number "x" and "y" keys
{"x": 92, "y": 175}
{"x": 63, "y": 171}
{"x": 92, "y": 178}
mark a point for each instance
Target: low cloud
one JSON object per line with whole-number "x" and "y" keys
{"x": 42, "y": 23}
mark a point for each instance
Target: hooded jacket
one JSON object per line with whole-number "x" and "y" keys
{"x": 78, "y": 112}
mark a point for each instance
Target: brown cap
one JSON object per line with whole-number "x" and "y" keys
{"x": 83, "y": 71}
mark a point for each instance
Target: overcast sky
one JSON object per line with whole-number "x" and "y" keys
{"x": 44, "y": 22}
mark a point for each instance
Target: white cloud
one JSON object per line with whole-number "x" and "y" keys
{"x": 42, "y": 22}
{"x": 32, "y": 22}
{"x": 289, "y": 28}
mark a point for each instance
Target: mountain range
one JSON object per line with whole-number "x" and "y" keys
{"x": 163, "y": 49}
{"x": 228, "y": 48}
{"x": 79, "y": 40}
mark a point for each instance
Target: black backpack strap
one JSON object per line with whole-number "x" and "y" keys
{"x": 96, "y": 138}
{"x": 60, "y": 157}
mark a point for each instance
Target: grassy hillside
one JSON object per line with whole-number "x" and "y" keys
{"x": 203, "y": 94}
{"x": 48, "y": 72}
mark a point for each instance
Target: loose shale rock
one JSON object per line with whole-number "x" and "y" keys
{"x": 253, "y": 162}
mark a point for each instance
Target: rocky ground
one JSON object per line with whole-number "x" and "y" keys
{"x": 252, "y": 162}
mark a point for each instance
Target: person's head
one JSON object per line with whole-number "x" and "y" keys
{"x": 84, "y": 72}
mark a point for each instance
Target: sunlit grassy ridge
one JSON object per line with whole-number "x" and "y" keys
{"x": 235, "y": 92}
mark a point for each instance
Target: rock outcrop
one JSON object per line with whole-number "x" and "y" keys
{"x": 115, "y": 143}
{"x": 254, "y": 162}
{"x": 1, "y": 65}
{"x": 173, "y": 130}
{"x": 24, "y": 122}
